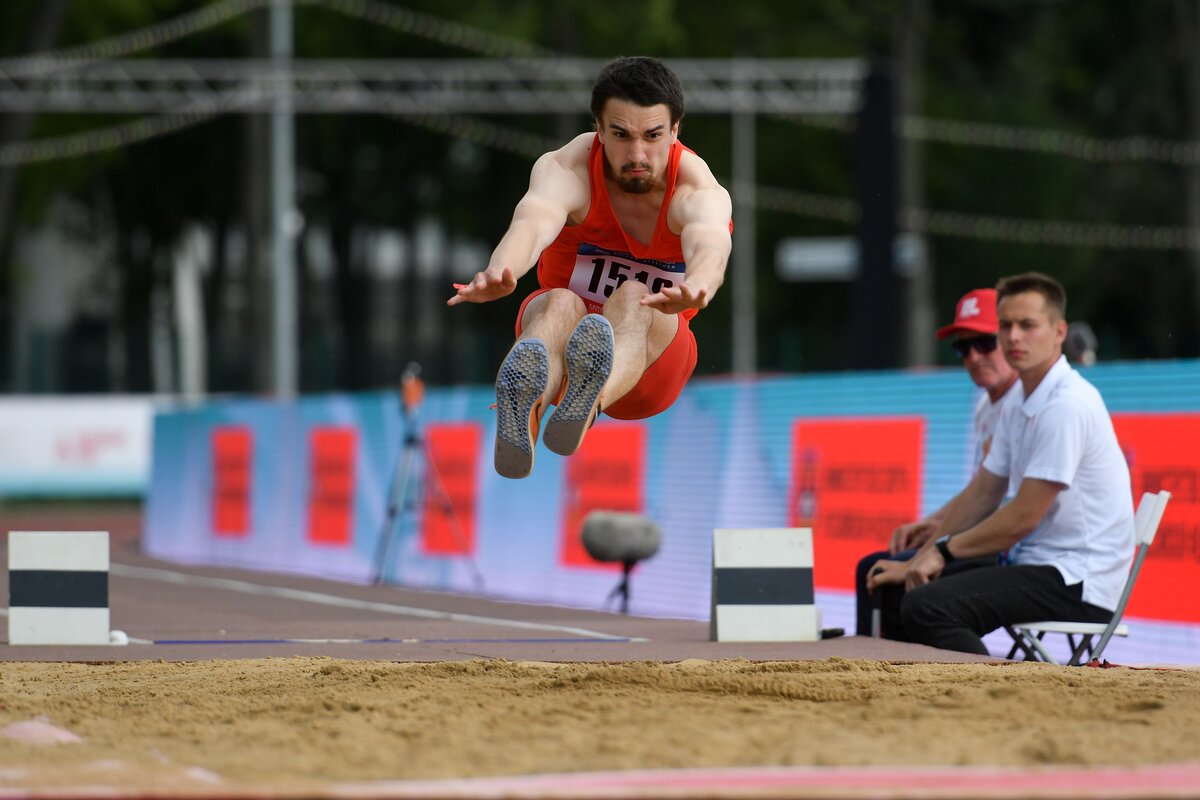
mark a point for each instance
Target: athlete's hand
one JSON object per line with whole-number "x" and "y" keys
{"x": 673, "y": 299}
{"x": 491, "y": 284}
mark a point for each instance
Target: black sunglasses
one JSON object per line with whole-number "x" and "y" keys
{"x": 980, "y": 344}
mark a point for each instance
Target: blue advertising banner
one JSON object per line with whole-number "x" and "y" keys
{"x": 306, "y": 487}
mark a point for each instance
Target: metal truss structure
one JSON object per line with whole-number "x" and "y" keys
{"x": 482, "y": 85}
{"x": 283, "y": 87}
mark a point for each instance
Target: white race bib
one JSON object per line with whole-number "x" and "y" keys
{"x": 599, "y": 271}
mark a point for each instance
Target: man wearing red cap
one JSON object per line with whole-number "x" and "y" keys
{"x": 974, "y": 330}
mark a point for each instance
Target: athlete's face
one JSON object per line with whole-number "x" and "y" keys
{"x": 637, "y": 143}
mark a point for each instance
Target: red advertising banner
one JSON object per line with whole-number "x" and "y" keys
{"x": 1162, "y": 453}
{"x": 853, "y": 481}
{"x": 451, "y": 489}
{"x": 232, "y": 464}
{"x": 605, "y": 475}
{"x": 331, "y": 484}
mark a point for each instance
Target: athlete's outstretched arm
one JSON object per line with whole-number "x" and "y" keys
{"x": 703, "y": 215}
{"x": 555, "y": 190}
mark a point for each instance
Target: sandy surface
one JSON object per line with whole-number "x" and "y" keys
{"x": 293, "y": 723}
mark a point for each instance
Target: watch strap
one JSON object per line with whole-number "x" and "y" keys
{"x": 942, "y": 546}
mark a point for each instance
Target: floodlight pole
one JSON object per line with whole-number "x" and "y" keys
{"x": 742, "y": 279}
{"x": 285, "y": 218}
{"x": 876, "y": 317}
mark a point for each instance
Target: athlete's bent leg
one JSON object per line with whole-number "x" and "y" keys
{"x": 641, "y": 335}
{"x": 551, "y": 315}
{"x": 606, "y": 357}
{"x": 530, "y": 376}
{"x": 589, "y": 362}
{"x": 671, "y": 359}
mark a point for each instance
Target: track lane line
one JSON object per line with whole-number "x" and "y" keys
{"x": 262, "y": 590}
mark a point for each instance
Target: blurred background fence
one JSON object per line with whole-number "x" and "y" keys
{"x": 261, "y": 195}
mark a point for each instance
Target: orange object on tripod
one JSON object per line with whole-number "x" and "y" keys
{"x": 412, "y": 388}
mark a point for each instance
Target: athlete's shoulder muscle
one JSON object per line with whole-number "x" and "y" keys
{"x": 698, "y": 196}
{"x": 694, "y": 173}
{"x": 559, "y": 177}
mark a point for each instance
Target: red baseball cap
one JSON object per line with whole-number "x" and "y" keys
{"x": 976, "y": 313}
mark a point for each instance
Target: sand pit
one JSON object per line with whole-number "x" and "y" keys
{"x": 297, "y": 723}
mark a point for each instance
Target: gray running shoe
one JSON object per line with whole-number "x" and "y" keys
{"x": 589, "y": 361}
{"x": 522, "y": 380}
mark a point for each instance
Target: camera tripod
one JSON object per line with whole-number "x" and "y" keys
{"x": 414, "y": 454}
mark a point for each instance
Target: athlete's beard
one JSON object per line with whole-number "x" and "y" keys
{"x": 643, "y": 185}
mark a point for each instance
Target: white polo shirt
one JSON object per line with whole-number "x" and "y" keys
{"x": 1063, "y": 433}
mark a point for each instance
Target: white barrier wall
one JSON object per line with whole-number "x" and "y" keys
{"x": 87, "y": 445}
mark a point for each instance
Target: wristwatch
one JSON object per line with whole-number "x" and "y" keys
{"x": 944, "y": 548}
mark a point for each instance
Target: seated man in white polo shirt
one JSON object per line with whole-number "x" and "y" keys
{"x": 1068, "y": 530}
{"x": 976, "y": 343}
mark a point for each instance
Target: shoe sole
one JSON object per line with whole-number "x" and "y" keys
{"x": 589, "y": 360}
{"x": 520, "y": 384}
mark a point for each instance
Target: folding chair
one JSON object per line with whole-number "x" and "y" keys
{"x": 1027, "y": 636}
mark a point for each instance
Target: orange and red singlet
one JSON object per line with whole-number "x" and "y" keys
{"x": 594, "y": 258}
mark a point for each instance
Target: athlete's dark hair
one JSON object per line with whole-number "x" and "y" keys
{"x": 642, "y": 80}
{"x": 1047, "y": 287}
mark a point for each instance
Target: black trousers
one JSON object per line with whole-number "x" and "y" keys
{"x": 865, "y": 602}
{"x": 956, "y": 610}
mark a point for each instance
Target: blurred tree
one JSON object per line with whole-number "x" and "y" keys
{"x": 38, "y": 27}
{"x": 1098, "y": 69}
{"x": 1187, "y": 52}
{"x": 41, "y": 30}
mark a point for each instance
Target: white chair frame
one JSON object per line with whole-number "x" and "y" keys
{"x": 1028, "y": 636}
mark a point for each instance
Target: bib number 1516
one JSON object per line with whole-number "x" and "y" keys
{"x": 617, "y": 273}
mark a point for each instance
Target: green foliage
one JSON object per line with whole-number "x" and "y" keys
{"x": 1106, "y": 69}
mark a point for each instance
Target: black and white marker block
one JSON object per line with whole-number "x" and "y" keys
{"x": 763, "y": 586}
{"x": 58, "y": 587}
